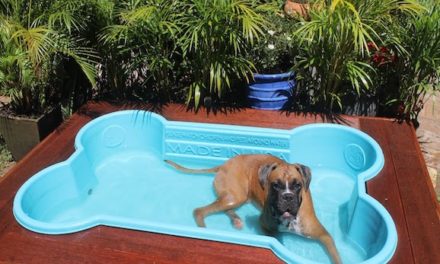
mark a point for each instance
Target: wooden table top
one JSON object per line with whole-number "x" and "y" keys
{"x": 403, "y": 187}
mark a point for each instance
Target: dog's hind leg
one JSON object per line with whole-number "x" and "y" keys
{"x": 235, "y": 219}
{"x": 229, "y": 198}
{"x": 224, "y": 203}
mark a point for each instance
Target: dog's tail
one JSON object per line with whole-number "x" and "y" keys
{"x": 186, "y": 170}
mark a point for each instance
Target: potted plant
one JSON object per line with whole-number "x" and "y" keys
{"x": 32, "y": 55}
{"x": 273, "y": 83}
{"x": 409, "y": 73}
{"x": 333, "y": 69}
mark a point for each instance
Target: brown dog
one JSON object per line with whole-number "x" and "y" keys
{"x": 279, "y": 188}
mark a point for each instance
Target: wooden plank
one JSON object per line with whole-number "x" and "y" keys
{"x": 384, "y": 188}
{"x": 104, "y": 244}
{"x": 252, "y": 117}
{"x": 416, "y": 194}
{"x": 114, "y": 245}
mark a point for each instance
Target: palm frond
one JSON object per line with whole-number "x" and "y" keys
{"x": 36, "y": 41}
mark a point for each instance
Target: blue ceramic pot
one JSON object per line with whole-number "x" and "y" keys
{"x": 271, "y": 91}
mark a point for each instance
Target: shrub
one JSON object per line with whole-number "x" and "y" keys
{"x": 33, "y": 49}
{"x": 334, "y": 49}
{"x": 143, "y": 40}
{"x": 414, "y": 72}
{"x": 215, "y": 37}
{"x": 274, "y": 51}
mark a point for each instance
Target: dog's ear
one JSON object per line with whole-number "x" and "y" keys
{"x": 264, "y": 172}
{"x": 305, "y": 173}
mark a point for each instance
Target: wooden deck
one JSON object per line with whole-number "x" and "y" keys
{"x": 403, "y": 187}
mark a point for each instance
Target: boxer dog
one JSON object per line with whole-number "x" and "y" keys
{"x": 280, "y": 189}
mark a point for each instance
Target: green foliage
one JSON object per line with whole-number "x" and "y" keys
{"x": 416, "y": 72}
{"x": 166, "y": 50}
{"x": 144, "y": 37}
{"x": 275, "y": 51}
{"x": 214, "y": 40}
{"x": 333, "y": 47}
{"x": 31, "y": 51}
{"x": 162, "y": 45}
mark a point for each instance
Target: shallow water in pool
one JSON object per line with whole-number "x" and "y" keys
{"x": 138, "y": 185}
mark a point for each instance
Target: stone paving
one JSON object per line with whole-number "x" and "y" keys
{"x": 428, "y": 134}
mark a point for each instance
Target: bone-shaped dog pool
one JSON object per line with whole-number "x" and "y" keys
{"x": 117, "y": 177}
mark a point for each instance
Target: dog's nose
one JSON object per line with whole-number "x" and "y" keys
{"x": 288, "y": 197}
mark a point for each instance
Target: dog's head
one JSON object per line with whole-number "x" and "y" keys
{"x": 285, "y": 185}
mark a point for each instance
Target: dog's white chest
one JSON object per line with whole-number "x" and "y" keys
{"x": 291, "y": 225}
{"x": 295, "y": 226}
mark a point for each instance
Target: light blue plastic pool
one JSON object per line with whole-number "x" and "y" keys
{"x": 117, "y": 177}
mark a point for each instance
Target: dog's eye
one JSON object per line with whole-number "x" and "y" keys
{"x": 276, "y": 185}
{"x": 296, "y": 186}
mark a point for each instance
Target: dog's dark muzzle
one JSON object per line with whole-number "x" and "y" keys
{"x": 288, "y": 197}
{"x": 288, "y": 202}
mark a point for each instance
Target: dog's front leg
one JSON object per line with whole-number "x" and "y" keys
{"x": 328, "y": 242}
{"x": 267, "y": 221}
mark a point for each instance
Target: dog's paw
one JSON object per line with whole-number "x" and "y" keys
{"x": 237, "y": 223}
